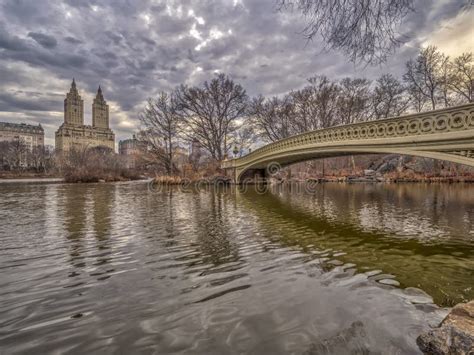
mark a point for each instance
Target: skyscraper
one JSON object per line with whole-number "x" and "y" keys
{"x": 74, "y": 134}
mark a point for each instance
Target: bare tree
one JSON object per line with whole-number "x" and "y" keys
{"x": 4, "y": 156}
{"x": 305, "y": 102}
{"x": 15, "y": 154}
{"x": 18, "y": 155}
{"x": 39, "y": 158}
{"x": 325, "y": 95}
{"x": 389, "y": 98}
{"x": 353, "y": 100}
{"x": 424, "y": 74}
{"x": 160, "y": 129}
{"x": 418, "y": 101}
{"x": 364, "y": 30}
{"x": 273, "y": 118}
{"x": 445, "y": 96}
{"x": 313, "y": 107}
{"x": 461, "y": 77}
{"x": 83, "y": 164}
{"x": 244, "y": 137}
{"x": 209, "y": 113}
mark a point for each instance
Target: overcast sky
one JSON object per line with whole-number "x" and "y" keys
{"x": 135, "y": 49}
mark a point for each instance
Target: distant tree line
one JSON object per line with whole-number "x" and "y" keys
{"x": 224, "y": 119}
{"x": 431, "y": 81}
{"x": 16, "y": 155}
{"x": 84, "y": 164}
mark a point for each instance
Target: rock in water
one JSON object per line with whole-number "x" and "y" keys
{"x": 455, "y": 334}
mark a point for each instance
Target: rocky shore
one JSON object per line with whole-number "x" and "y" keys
{"x": 455, "y": 334}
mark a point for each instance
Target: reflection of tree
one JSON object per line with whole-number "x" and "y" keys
{"x": 75, "y": 220}
{"x": 434, "y": 204}
{"x": 169, "y": 224}
{"x": 211, "y": 214}
{"x": 206, "y": 229}
{"x": 415, "y": 261}
{"x": 102, "y": 198}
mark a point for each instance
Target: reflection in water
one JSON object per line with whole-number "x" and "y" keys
{"x": 211, "y": 214}
{"x": 384, "y": 227}
{"x": 103, "y": 201}
{"x": 115, "y": 268}
{"x": 75, "y": 222}
{"x": 87, "y": 211}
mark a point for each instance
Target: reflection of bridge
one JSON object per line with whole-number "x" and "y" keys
{"x": 446, "y": 134}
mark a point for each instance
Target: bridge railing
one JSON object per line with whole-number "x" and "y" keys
{"x": 432, "y": 122}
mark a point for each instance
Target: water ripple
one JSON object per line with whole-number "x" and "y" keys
{"x": 114, "y": 268}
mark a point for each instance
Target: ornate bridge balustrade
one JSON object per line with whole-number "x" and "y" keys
{"x": 446, "y": 134}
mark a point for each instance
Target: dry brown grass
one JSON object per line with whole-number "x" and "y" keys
{"x": 168, "y": 180}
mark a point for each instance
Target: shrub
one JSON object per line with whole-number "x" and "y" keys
{"x": 94, "y": 165}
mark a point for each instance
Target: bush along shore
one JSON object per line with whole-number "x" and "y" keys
{"x": 94, "y": 165}
{"x": 86, "y": 177}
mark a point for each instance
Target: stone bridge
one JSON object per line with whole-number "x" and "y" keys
{"x": 446, "y": 134}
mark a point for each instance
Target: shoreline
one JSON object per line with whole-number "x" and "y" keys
{"x": 170, "y": 181}
{"x": 32, "y": 180}
{"x": 59, "y": 180}
{"x": 48, "y": 180}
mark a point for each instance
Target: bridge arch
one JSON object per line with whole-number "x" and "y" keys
{"x": 446, "y": 134}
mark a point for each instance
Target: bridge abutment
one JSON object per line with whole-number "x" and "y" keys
{"x": 251, "y": 176}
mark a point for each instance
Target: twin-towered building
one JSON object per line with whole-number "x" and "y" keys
{"x": 74, "y": 134}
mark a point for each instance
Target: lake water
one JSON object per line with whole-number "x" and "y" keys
{"x": 120, "y": 268}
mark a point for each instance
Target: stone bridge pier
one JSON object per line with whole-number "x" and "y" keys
{"x": 248, "y": 176}
{"x": 254, "y": 175}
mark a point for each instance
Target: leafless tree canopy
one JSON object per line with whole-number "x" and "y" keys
{"x": 316, "y": 104}
{"x": 461, "y": 76}
{"x": 273, "y": 117}
{"x": 92, "y": 165}
{"x": 354, "y": 100}
{"x": 432, "y": 80}
{"x": 222, "y": 119}
{"x": 160, "y": 129}
{"x": 389, "y": 98}
{"x": 322, "y": 103}
{"x": 364, "y": 30}
{"x": 426, "y": 75}
{"x": 210, "y": 113}
{"x": 16, "y": 155}
{"x": 243, "y": 138}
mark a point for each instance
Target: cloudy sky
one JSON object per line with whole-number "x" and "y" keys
{"x": 135, "y": 49}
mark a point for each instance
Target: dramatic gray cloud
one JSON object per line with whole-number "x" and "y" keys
{"x": 135, "y": 49}
{"x": 44, "y": 40}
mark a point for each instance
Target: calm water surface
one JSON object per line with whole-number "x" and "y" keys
{"x": 115, "y": 268}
